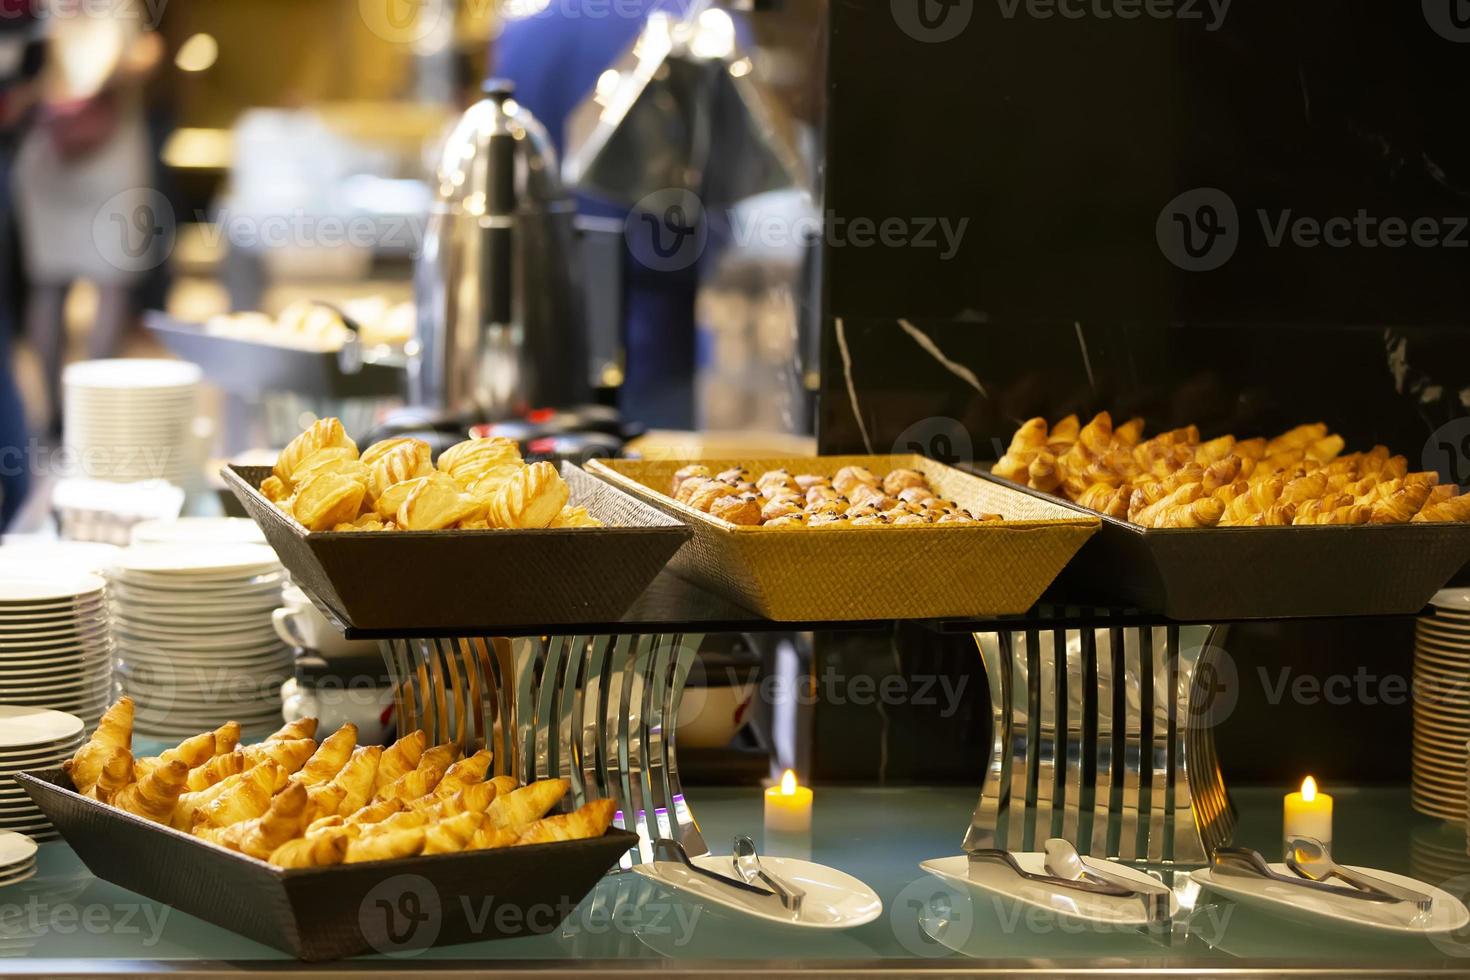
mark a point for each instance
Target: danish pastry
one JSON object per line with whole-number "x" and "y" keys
{"x": 326, "y": 500}
{"x": 431, "y": 506}
{"x": 321, "y": 434}
{"x": 741, "y": 510}
{"x": 532, "y": 498}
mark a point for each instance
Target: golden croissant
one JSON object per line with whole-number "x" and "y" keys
{"x": 117, "y": 772}
{"x": 467, "y": 771}
{"x": 527, "y": 804}
{"x": 289, "y": 754}
{"x": 399, "y": 759}
{"x": 330, "y": 756}
{"x": 386, "y": 847}
{"x": 318, "y": 851}
{"x": 453, "y": 834}
{"x": 154, "y": 796}
{"x": 591, "y": 820}
{"x": 245, "y": 800}
{"x": 218, "y": 768}
{"x": 356, "y": 778}
{"x": 114, "y": 731}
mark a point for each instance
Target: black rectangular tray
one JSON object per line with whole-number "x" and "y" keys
{"x": 1238, "y": 573}
{"x": 469, "y": 583}
{"x": 328, "y": 913}
{"x": 241, "y": 367}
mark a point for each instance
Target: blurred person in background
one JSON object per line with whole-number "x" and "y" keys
{"x": 21, "y": 53}
{"x": 86, "y": 153}
{"x": 554, "y": 54}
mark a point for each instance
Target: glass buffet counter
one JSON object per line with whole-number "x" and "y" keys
{"x": 65, "y": 922}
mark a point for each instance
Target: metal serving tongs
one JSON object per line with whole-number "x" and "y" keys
{"x": 748, "y": 866}
{"x": 666, "y": 848}
{"x": 1242, "y": 862}
{"x": 1310, "y": 859}
{"x": 995, "y": 855}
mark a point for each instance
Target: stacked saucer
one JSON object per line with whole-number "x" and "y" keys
{"x": 131, "y": 420}
{"x": 196, "y": 646}
{"x": 31, "y": 739}
{"x": 199, "y": 531}
{"x": 56, "y": 647}
{"x": 17, "y": 858}
{"x": 1442, "y": 706}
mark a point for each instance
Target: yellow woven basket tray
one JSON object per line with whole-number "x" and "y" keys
{"x": 798, "y": 574}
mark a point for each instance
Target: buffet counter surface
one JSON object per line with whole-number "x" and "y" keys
{"x": 65, "y": 922}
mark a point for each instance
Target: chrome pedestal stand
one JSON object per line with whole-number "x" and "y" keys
{"x": 1104, "y": 736}
{"x": 598, "y": 711}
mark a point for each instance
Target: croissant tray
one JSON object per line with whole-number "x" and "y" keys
{"x": 437, "y": 583}
{"x": 1221, "y": 574}
{"x": 327, "y": 913}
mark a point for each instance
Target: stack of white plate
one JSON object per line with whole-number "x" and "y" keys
{"x": 199, "y": 531}
{"x": 31, "y": 739}
{"x": 23, "y": 554}
{"x": 17, "y": 858}
{"x": 131, "y": 420}
{"x": 195, "y": 642}
{"x": 56, "y": 648}
{"x": 1442, "y": 706}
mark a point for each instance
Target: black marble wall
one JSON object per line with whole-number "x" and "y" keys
{"x": 1243, "y": 215}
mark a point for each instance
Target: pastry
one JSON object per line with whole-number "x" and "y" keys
{"x": 321, "y": 434}
{"x": 742, "y": 510}
{"x": 694, "y": 471}
{"x": 433, "y": 506}
{"x": 706, "y": 493}
{"x": 326, "y": 500}
{"x": 155, "y": 795}
{"x": 532, "y": 498}
{"x": 467, "y": 462}
{"x": 407, "y": 460}
{"x": 850, "y": 477}
{"x": 897, "y": 481}
{"x": 575, "y": 517}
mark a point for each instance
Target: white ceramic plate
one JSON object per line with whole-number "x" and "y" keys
{"x": 23, "y": 727}
{"x": 997, "y": 880}
{"x": 53, "y": 590}
{"x": 834, "y": 900}
{"x": 15, "y": 850}
{"x": 221, "y": 561}
{"x": 199, "y": 530}
{"x": 135, "y": 375}
{"x": 1305, "y": 904}
{"x": 1452, "y": 600}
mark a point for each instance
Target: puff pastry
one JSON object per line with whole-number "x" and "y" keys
{"x": 469, "y": 461}
{"x": 742, "y": 510}
{"x": 326, "y": 500}
{"x": 530, "y": 499}
{"x": 321, "y": 434}
{"x": 431, "y": 506}
{"x": 409, "y": 459}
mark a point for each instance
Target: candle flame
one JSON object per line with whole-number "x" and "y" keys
{"x": 788, "y": 783}
{"x": 1309, "y": 789}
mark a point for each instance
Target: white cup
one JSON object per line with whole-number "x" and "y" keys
{"x": 299, "y": 623}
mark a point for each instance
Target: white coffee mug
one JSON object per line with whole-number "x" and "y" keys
{"x": 299, "y": 623}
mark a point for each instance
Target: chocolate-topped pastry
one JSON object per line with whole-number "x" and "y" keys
{"x": 861, "y": 510}
{"x": 942, "y": 506}
{"x": 742, "y": 510}
{"x": 870, "y": 520}
{"x": 837, "y": 506}
{"x": 735, "y": 476}
{"x": 959, "y": 517}
{"x": 820, "y": 493}
{"x": 987, "y": 518}
{"x": 692, "y": 472}
{"x": 808, "y": 480}
{"x": 911, "y": 520}
{"x": 745, "y": 486}
{"x": 705, "y": 495}
{"x": 774, "y": 482}
{"x": 900, "y": 480}
{"x": 828, "y": 521}
{"x": 790, "y": 520}
{"x": 850, "y": 476}
{"x": 781, "y": 507}
{"x": 872, "y": 496}
{"x": 915, "y": 495}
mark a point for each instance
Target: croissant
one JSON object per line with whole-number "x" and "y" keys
{"x": 117, "y": 772}
{"x": 289, "y": 754}
{"x": 467, "y": 771}
{"x": 318, "y": 851}
{"x": 1347, "y": 514}
{"x": 193, "y": 751}
{"x": 1215, "y": 450}
{"x": 454, "y": 834}
{"x": 1187, "y": 494}
{"x": 330, "y": 756}
{"x": 420, "y": 782}
{"x": 356, "y": 778}
{"x": 1105, "y": 499}
{"x": 527, "y": 804}
{"x": 386, "y": 847}
{"x": 245, "y": 800}
{"x": 1325, "y": 449}
{"x": 376, "y": 812}
{"x": 1299, "y": 437}
{"x": 1204, "y": 512}
{"x": 326, "y": 500}
{"x": 1453, "y": 509}
{"x": 323, "y": 800}
{"x": 406, "y": 461}
{"x": 433, "y": 506}
{"x": 532, "y": 498}
{"x": 284, "y": 820}
{"x": 321, "y": 434}
{"x": 226, "y": 737}
{"x": 190, "y": 803}
{"x": 1130, "y": 432}
{"x": 1276, "y": 515}
{"x": 1258, "y": 498}
{"x": 1401, "y": 505}
{"x": 399, "y": 759}
{"x": 154, "y": 796}
{"x": 489, "y": 837}
{"x": 402, "y": 820}
{"x": 216, "y": 769}
{"x": 591, "y": 820}
{"x": 114, "y": 731}
{"x": 1029, "y": 440}
{"x": 1045, "y": 472}
{"x": 475, "y": 796}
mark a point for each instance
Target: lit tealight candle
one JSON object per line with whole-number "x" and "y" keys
{"x": 788, "y": 807}
{"x": 1308, "y": 814}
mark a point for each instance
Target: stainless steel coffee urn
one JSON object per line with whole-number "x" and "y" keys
{"x": 498, "y": 288}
